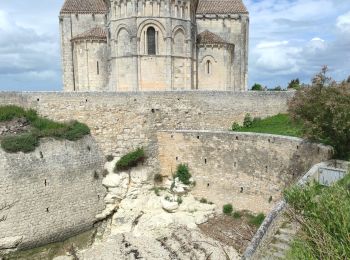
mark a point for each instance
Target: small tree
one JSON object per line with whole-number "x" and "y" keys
{"x": 323, "y": 109}
{"x": 294, "y": 84}
{"x": 257, "y": 87}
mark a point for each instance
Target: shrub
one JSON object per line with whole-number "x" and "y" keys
{"x": 183, "y": 174}
{"x": 236, "y": 214}
{"x": 257, "y": 87}
{"x": 203, "y": 200}
{"x": 10, "y": 112}
{"x": 248, "y": 121}
{"x": 105, "y": 173}
{"x": 130, "y": 160}
{"x": 257, "y": 220}
{"x": 21, "y": 143}
{"x": 323, "y": 109}
{"x": 158, "y": 178}
{"x": 294, "y": 84}
{"x": 109, "y": 158}
{"x": 235, "y": 126}
{"x": 179, "y": 200}
{"x": 227, "y": 209}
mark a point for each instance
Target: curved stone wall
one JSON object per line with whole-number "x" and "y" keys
{"x": 245, "y": 169}
{"x": 49, "y": 194}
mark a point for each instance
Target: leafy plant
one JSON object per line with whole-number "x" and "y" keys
{"x": 248, "y": 121}
{"x": 183, "y": 174}
{"x": 294, "y": 84}
{"x": 235, "y": 126}
{"x": 323, "y": 110}
{"x": 179, "y": 200}
{"x": 130, "y": 160}
{"x": 257, "y": 87}
{"x": 158, "y": 178}
{"x": 203, "y": 200}
{"x": 227, "y": 209}
{"x": 236, "y": 215}
{"x": 109, "y": 158}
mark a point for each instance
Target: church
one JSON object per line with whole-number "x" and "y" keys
{"x": 154, "y": 45}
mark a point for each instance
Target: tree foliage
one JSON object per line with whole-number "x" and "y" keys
{"x": 294, "y": 84}
{"x": 257, "y": 87}
{"x": 324, "y": 111}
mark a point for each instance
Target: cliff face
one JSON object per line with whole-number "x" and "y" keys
{"x": 49, "y": 194}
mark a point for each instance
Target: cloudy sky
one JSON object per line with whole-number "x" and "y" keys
{"x": 288, "y": 39}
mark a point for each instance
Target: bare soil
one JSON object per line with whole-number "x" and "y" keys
{"x": 15, "y": 126}
{"x": 234, "y": 232}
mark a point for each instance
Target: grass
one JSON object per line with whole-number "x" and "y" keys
{"x": 280, "y": 124}
{"x": 256, "y": 220}
{"x": 227, "y": 209}
{"x": 40, "y": 127}
{"x": 130, "y": 160}
{"x": 324, "y": 216}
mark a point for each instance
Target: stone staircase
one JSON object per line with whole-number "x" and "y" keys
{"x": 281, "y": 241}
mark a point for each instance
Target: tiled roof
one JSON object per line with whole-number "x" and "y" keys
{"x": 207, "y": 37}
{"x": 84, "y": 7}
{"x": 96, "y": 33}
{"x": 221, "y": 7}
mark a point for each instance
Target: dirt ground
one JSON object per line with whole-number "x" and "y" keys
{"x": 235, "y": 232}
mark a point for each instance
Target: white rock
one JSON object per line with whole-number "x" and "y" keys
{"x": 110, "y": 198}
{"x": 169, "y": 206}
{"x": 118, "y": 192}
{"x": 116, "y": 180}
{"x": 140, "y": 175}
{"x": 10, "y": 242}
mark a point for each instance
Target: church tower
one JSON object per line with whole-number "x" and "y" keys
{"x": 152, "y": 45}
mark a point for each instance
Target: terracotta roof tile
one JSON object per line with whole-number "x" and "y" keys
{"x": 221, "y": 7}
{"x": 207, "y": 37}
{"x": 96, "y": 33}
{"x": 84, "y": 7}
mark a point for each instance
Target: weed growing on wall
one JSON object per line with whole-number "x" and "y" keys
{"x": 183, "y": 173}
{"x": 130, "y": 160}
{"x": 257, "y": 220}
{"x": 40, "y": 127}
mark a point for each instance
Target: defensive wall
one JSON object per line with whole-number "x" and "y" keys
{"x": 123, "y": 121}
{"x": 50, "y": 194}
{"x": 246, "y": 169}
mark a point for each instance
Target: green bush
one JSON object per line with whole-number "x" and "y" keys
{"x": 323, "y": 109}
{"x": 236, "y": 215}
{"x": 130, "y": 160}
{"x": 21, "y": 143}
{"x": 235, "y": 126}
{"x": 248, "y": 121}
{"x": 324, "y": 214}
{"x": 203, "y": 200}
{"x": 183, "y": 174}
{"x": 10, "y": 112}
{"x": 227, "y": 209}
{"x": 256, "y": 220}
{"x": 257, "y": 87}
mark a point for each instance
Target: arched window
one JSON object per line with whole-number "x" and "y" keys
{"x": 151, "y": 41}
{"x": 208, "y": 67}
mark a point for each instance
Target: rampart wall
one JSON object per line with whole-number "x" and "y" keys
{"x": 50, "y": 194}
{"x": 123, "y": 121}
{"x": 244, "y": 169}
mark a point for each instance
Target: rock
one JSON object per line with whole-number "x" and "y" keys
{"x": 116, "y": 180}
{"x": 10, "y": 242}
{"x": 118, "y": 192}
{"x": 140, "y": 175}
{"x": 169, "y": 206}
{"x": 110, "y": 208}
{"x": 110, "y": 198}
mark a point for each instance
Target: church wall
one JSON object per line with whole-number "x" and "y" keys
{"x": 71, "y": 25}
{"x": 233, "y": 30}
{"x": 90, "y": 61}
{"x": 217, "y": 76}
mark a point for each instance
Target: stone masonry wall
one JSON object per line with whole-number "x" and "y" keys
{"x": 244, "y": 169}
{"x": 121, "y": 122}
{"x": 53, "y": 193}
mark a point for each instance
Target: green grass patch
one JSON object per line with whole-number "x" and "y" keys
{"x": 130, "y": 160}
{"x": 280, "y": 124}
{"x": 324, "y": 214}
{"x": 40, "y": 127}
{"x": 256, "y": 220}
